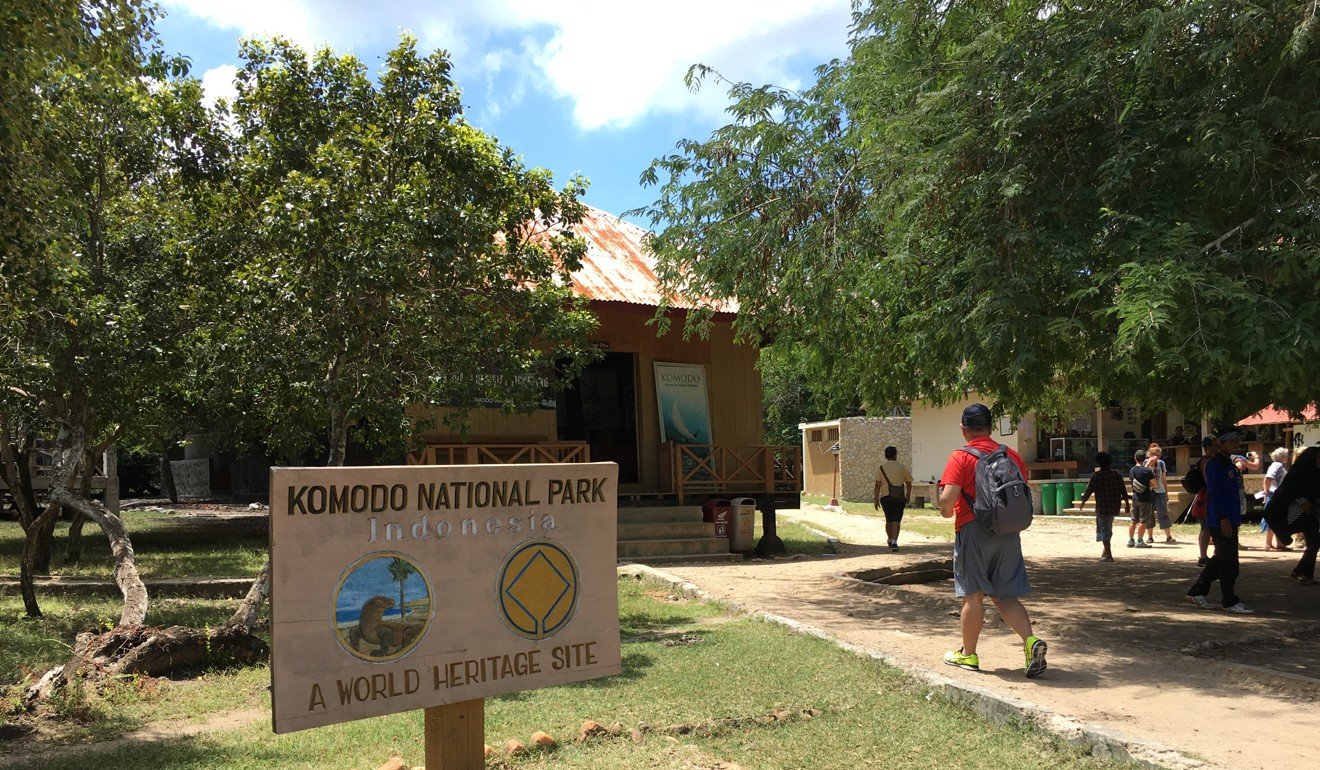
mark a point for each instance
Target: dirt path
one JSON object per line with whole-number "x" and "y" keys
{"x": 154, "y": 733}
{"x": 1116, "y": 632}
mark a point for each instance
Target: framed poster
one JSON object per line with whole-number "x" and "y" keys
{"x": 680, "y": 395}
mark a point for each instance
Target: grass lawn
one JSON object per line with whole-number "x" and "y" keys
{"x": 684, "y": 663}
{"x": 797, "y": 538}
{"x": 166, "y": 545}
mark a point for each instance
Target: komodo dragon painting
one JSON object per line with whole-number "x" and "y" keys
{"x": 389, "y": 636}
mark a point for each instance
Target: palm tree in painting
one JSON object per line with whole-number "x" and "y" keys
{"x": 400, "y": 569}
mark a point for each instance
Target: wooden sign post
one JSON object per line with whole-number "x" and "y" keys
{"x": 435, "y": 587}
{"x": 456, "y": 736}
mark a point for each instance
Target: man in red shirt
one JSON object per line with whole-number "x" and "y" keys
{"x": 984, "y": 564}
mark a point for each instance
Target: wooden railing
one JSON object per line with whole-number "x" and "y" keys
{"x": 105, "y": 474}
{"x": 769, "y": 468}
{"x": 501, "y": 454}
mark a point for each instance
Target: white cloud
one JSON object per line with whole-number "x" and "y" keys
{"x": 218, "y": 83}
{"x": 616, "y": 61}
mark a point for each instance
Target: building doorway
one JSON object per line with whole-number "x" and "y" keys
{"x": 600, "y": 408}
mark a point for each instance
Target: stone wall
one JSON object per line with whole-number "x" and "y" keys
{"x": 192, "y": 478}
{"x": 863, "y": 441}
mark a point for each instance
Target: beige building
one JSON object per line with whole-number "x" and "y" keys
{"x": 861, "y": 442}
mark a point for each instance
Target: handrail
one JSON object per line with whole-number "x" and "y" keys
{"x": 501, "y": 454}
{"x": 766, "y": 468}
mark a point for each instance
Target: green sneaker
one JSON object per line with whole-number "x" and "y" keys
{"x": 1035, "y": 650}
{"x": 960, "y": 660}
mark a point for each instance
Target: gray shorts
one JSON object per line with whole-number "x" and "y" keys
{"x": 988, "y": 563}
{"x": 1162, "y": 509}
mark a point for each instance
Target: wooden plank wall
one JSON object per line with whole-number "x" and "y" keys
{"x": 733, "y": 386}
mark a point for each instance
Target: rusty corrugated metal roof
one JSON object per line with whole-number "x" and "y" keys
{"x": 617, "y": 266}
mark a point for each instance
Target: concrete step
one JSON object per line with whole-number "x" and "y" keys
{"x": 655, "y": 514}
{"x": 632, "y": 549}
{"x": 1176, "y": 503}
{"x": 661, "y": 561}
{"x": 654, "y": 530}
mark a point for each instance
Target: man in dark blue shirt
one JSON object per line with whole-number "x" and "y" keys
{"x": 1224, "y": 499}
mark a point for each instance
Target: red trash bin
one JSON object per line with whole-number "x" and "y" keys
{"x": 719, "y": 511}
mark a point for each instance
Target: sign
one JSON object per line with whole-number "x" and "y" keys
{"x": 399, "y": 588}
{"x": 680, "y": 393}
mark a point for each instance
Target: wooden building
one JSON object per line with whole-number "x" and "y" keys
{"x": 613, "y": 411}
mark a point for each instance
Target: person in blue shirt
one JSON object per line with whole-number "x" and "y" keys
{"x": 1223, "y": 497}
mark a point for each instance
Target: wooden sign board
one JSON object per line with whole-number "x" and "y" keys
{"x": 399, "y": 588}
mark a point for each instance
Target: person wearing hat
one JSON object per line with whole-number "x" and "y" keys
{"x": 984, "y": 563}
{"x": 1223, "y": 516}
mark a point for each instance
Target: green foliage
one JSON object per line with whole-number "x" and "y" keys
{"x": 376, "y": 251}
{"x": 786, "y": 393}
{"x": 1036, "y": 200}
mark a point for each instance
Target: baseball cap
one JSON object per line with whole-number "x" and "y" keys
{"x": 976, "y": 416}
{"x": 1230, "y": 435}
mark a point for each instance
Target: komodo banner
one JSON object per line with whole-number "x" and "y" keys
{"x": 398, "y": 588}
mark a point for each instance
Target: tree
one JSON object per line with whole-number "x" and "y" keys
{"x": 1037, "y": 200}
{"x": 88, "y": 273}
{"x": 385, "y": 253}
{"x": 400, "y": 570}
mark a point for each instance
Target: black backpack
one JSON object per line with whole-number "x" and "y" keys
{"x": 1194, "y": 481}
{"x": 1003, "y": 499}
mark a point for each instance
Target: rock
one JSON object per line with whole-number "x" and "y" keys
{"x": 590, "y": 729}
{"x": 514, "y": 748}
{"x": 491, "y": 751}
{"x": 542, "y": 740}
{"x": 396, "y": 763}
{"x": 781, "y": 715}
{"x": 635, "y": 736}
{"x": 615, "y": 728}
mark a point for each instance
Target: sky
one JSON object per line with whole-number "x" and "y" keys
{"x": 574, "y": 86}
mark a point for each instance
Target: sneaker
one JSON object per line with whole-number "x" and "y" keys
{"x": 1142, "y": 544}
{"x": 1150, "y": 541}
{"x": 1304, "y": 580}
{"x": 1200, "y": 601}
{"x": 970, "y": 661}
{"x": 893, "y": 546}
{"x": 1170, "y": 541}
{"x": 1035, "y": 652}
{"x": 1238, "y": 609}
{"x": 1131, "y": 543}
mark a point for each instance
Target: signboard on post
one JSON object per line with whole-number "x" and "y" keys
{"x": 399, "y": 588}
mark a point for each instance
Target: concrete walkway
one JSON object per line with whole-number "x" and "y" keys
{"x": 1120, "y": 636}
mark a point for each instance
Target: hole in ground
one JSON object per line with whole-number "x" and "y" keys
{"x": 908, "y": 574}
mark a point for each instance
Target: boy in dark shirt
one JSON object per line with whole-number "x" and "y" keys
{"x": 1109, "y": 489}
{"x": 1143, "y": 501}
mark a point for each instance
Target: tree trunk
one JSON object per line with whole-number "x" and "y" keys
{"x": 245, "y": 617}
{"x": 28, "y": 571}
{"x": 338, "y": 434}
{"x": 67, "y": 459}
{"x": 45, "y": 544}
{"x": 126, "y": 574}
{"x": 167, "y": 474}
{"x": 73, "y": 545}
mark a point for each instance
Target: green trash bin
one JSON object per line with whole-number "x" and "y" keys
{"x": 1064, "y": 499}
{"x": 1049, "y": 505}
{"x": 1078, "y": 489}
